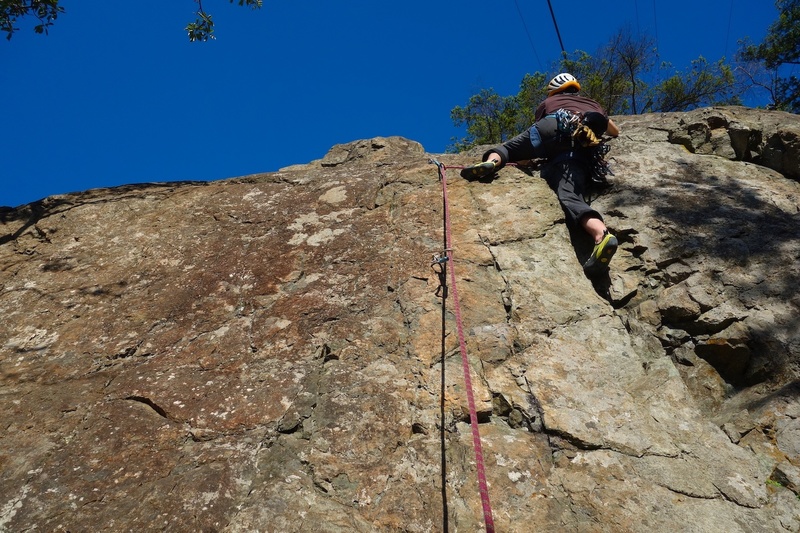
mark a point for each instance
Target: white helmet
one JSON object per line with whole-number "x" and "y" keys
{"x": 562, "y": 82}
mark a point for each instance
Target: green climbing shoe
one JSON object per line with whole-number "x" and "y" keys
{"x": 478, "y": 171}
{"x": 601, "y": 255}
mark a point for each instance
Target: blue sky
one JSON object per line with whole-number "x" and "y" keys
{"x": 116, "y": 94}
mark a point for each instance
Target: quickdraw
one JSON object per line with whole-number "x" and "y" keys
{"x": 438, "y": 264}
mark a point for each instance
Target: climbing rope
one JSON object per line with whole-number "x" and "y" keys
{"x": 473, "y": 413}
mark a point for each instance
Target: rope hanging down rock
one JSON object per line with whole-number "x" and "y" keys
{"x": 473, "y": 413}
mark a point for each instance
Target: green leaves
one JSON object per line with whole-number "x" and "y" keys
{"x": 202, "y": 29}
{"x": 45, "y": 11}
{"x": 255, "y": 4}
{"x": 492, "y": 119}
{"x": 703, "y": 84}
{"x": 780, "y": 47}
{"x": 782, "y": 42}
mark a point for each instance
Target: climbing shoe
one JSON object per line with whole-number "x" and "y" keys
{"x": 480, "y": 170}
{"x": 602, "y": 254}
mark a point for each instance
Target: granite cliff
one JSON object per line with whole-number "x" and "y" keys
{"x": 270, "y": 353}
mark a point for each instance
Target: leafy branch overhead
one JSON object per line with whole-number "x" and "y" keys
{"x": 771, "y": 64}
{"x": 47, "y": 11}
{"x": 202, "y": 29}
{"x": 44, "y": 11}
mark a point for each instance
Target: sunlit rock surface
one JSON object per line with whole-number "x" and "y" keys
{"x": 267, "y": 353}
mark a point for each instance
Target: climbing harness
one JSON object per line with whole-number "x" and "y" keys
{"x": 441, "y": 262}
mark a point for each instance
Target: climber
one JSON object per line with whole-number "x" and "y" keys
{"x": 567, "y": 166}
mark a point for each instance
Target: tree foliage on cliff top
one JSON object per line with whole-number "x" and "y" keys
{"x": 766, "y": 62}
{"x": 622, "y": 76}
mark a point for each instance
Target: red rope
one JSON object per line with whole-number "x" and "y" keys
{"x": 473, "y": 413}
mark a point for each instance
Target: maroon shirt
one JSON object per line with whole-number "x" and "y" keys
{"x": 571, "y": 102}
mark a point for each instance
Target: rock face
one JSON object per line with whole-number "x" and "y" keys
{"x": 271, "y": 353}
